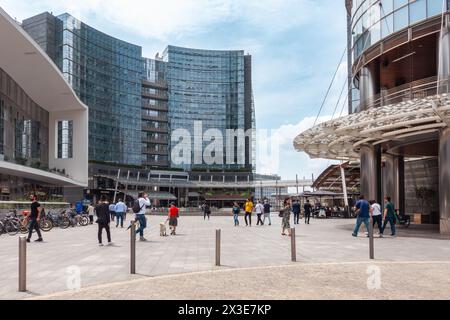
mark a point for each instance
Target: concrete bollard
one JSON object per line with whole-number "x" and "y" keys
{"x": 371, "y": 240}
{"x": 133, "y": 248}
{"x": 293, "y": 246}
{"x": 22, "y": 264}
{"x": 218, "y": 247}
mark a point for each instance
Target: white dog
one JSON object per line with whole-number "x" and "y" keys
{"x": 163, "y": 229}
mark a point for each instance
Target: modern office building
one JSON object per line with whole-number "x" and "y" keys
{"x": 213, "y": 89}
{"x": 399, "y": 113}
{"x": 43, "y": 124}
{"x": 136, "y": 104}
{"x": 106, "y": 75}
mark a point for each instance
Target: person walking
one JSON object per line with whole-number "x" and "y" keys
{"x": 236, "y": 210}
{"x": 248, "y": 207}
{"x": 389, "y": 216}
{"x": 307, "y": 207}
{"x": 103, "y": 219}
{"x": 112, "y": 211}
{"x": 206, "y": 211}
{"x": 79, "y": 207}
{"x": 363, "y": 215}
{"x": 259, "y": 209}
{"x": 267, "y": 207}
{"x": 174, "y": 214}
{"x": 285, "y": 223}
{"x": 34, "y": 217}
{"x": 139, "y": 208}
{"x": 120, "y": 210}
{"x": 296, "y": 210}
{"x": 375, "y": 211}
{"x": 91, "y": 212}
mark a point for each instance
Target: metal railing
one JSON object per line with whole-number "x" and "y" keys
{"x": 414, "y": 90}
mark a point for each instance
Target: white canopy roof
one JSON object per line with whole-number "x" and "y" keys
{"x": 32, "y": 69}
{"x": 342, "y": 138}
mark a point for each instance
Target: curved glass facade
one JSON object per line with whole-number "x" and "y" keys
{"x": 206, "y": 86}
{"x": 106, "y": 74}
{"x": 373, "y": 20}
{"x": 136, "y": 103}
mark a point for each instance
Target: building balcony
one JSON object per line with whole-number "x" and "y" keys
{"x": 154, "y": 85}
{"x": 158, "y": 96}
{"x": 414, "y": 90}
{"x": 154, "y": 129}
{"x": 152, "y": 118}
{"x": 158, "y": 141}
{"x": 155, "y": 107}
{"x": 161, "y": 152}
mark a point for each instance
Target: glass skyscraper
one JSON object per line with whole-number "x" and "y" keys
{"x": 106, "y": 74}
{"x": 209, "y": 86}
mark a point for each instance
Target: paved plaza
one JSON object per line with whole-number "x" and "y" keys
{"x": 257, "y": 258}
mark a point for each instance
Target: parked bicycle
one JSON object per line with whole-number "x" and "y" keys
{"x": 77, "y": 219}
{"x": 11, "y": 224}
{"x": 57, "y": 219}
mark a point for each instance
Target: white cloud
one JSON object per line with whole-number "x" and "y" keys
{"x": 174, "y": 18}
{"x": 288, "y": 162}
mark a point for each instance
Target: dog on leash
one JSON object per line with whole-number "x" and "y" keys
{"x": 163, "y": 229}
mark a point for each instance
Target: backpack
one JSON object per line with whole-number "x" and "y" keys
{"x": 207, "y": 209}
{"x": 136, "y": 206}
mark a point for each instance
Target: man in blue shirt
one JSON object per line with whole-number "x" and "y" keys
{"x": 363, "y": 212}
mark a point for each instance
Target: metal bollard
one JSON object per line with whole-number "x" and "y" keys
{"x": 133, "y": 248}
{"x": 22, "y": 264}
{"x": 371, "y": 241}
{"x": 293, "y": 246}
{"x": 218, "y": 247}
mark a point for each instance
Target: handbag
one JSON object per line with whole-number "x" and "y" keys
{"x": 281, "y": 214}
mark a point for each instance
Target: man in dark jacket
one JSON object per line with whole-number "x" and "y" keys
{"x": 103, "y": 219}
{"x": 296, "y": 210}
{"x": 308, "y": 209}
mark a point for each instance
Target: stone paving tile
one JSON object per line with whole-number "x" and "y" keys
{"x": 193, "y": 250}
{"x": 396, "y": 280}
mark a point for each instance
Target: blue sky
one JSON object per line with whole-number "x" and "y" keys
{"x": 296, "y": 46}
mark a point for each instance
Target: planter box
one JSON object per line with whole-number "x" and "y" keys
{"x": 420, "y": 218}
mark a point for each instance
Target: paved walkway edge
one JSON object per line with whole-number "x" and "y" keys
{"x": 142, "y": 279}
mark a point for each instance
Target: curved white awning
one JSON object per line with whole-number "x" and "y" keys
{"x": 25, "y": 61}
{"x": 342, "y": 138}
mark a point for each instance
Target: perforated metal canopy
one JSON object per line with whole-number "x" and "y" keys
{"x": 342, "y": 138}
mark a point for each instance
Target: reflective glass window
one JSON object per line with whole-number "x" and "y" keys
{"x": 387, "y": 25}
{"x": 434, "y": 7}
{"x": 65, "y": 140}
{"x": 387, "y": 6}
{"x": 399, "y": 3}
{"x": 401, "y": 19}
{"x": 417, "y": 11}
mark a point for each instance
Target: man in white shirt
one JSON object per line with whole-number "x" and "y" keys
{"x": 144, "y": 202}
{"x": 91, "y": 212}
{"x": 120, "y": 209}
{"x": 375, "y": 211}
{"x": 259, "y": 208}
